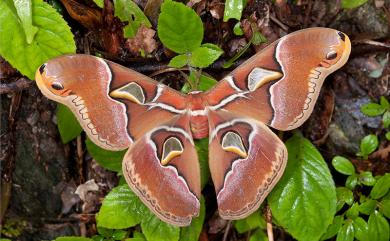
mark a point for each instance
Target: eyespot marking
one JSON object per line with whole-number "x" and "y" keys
{"x": 132, "y": 91}
{"x": 259, "y": 76}
{"x": 42, "y": 68}
{"x": 57, "y": 86}
{"x": 232, "y": 142}
{"x": 331, "y": 55}
{"x": 172, "y": 148}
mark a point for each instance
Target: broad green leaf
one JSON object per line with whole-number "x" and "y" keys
{"x": 119, "y": 234}
{"x": 156, "y": 230}
{"x": 237, "y": 30}
{"x": 367, "y": 207}
{"x": 67, "y": 123}
{"x": 259, "y": 235}
{"x": 233, "y": 9}
{"x": 367, "y": 179}
{"x": 381, "y": 187}
{"x": 205, "y": 55}
{"x": 121, "y": 208}
{"x": 72, "y": 238}
{"x": 192, "y": 232}
{"x": 344, "y": 195}
{"x": 179, "y": 27}
{"x": 360, "y": 229}
{"x": 352, "y": 3}
{"x": 202, "y": 148}
{"x": 334, "y": 228}
{"x": 127, "y": 10}
{"x": 52, "y": 39}
{"x": 255, "y": 220}
{"x": 99, "y": 3}
{"x": 105, "y": 232}
{"x": 378, "y": 227}
{"x": 179, "y": 61}
{"x": 372, "y": 109}
{"x": 111, "y": 160}
{"x": 386, "y": 119}
{"x": 353, "y": 211}
{"x": 351, "y": 181}
{"x": 23, "y": 8}
{"x": 306, "y": 192}
{"x": 384, "y": 208}
{"x": 368, "y": 144}
{"x": 384, "y": 102}
{"x": 388, "y": 135}
{"x": 346, "y": 233}
{"x": 343, "y": 165}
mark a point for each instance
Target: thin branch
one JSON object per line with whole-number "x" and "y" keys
{"x": 225, "y": 235}
{"x": 16, "y": 86}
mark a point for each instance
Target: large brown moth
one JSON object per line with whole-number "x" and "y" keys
{"x": 120, "y": 108}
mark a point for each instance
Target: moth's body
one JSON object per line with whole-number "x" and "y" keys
{"x": 120, "y": 108}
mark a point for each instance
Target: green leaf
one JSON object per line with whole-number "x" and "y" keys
{"x": 23, "y": 8}
{"x": 259, "y": 235}
{"x": 367, "y": 207}
{"x": 105, "y": 232}
{"x": 353, "y": 211}
{"x": 388, "y": 135}
{"x": 367, "y": 145}
{"x": 306, "y": 192}
{"x": 360, "y": 228}
{"x": 386, "y": 119}
{"x": 233, "y": 9}
{"x": 255, "y": 220}
{"x": 384, "y": 102}
{"x": 192, "y": 232}
{"x": 344, "y": 195}
{"x": 179, "y": 61}
{"x": 67, "y": 123}
{"x": 352, "y": 3}
{"x": 202, "y": 148}
{"x": 367, "y": 179}
{"x": 381, "y": 187}
{"x": 205, "y": 83}
{"x": 378, "y": 227}
{"x": 334, "y": 228}
{"x": 351, "y": 181}
{"x": 99, "y": 3}
{"x": 179, "y": 27}
{"x": 52, "y": 39}
{"x": 156, "y": 230}
{"x": 72, "y": 238}
{"x": 237, "y": 30}
{"x": 258, "y": 38}
{"x": 343, "y": 165}
{"x": 384, "y": 207}
{"x": 127, "y": 10}
{"x": 346, "y": 233}
{"x": 111, "y": 160}
{"x": 205, "y": 55}
{"x": 120, "y": 209}
{"x": 372, "y": 109}
{"x": 119, "y": 234}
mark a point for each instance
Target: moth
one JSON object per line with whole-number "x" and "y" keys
{"x": 120, "y": 108}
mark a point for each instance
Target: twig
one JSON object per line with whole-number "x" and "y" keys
{"x": 280, "y": 24}
{"x": 18, "y": 85}
{"x": 268, "y": 219}
{"x": 80, "y": 153}
{"x": 372, "y": 42}
{"x": 225, "y": 235}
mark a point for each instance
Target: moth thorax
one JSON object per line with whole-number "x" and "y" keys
{"x": 199, "y": 126}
